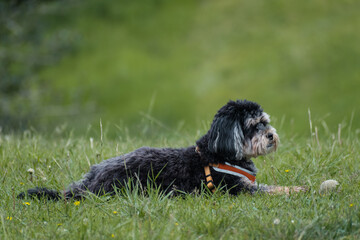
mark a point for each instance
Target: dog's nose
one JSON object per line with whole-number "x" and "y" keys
{"x": 270, "y": 136}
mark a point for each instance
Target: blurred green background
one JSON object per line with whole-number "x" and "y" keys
{"x": 174, "y": 63}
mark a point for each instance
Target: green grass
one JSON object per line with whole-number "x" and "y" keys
{"x": 166, "y": 67}
{"x": 182, "y": 60}
{"x": 59, "y": 158}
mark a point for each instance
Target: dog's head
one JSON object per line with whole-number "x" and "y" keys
{"x": 241, "y": 130}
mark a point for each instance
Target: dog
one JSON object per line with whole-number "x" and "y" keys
{"x": 240, "y": 131}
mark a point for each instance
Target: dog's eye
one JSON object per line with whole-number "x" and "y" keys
{"x": 260, "y": 126}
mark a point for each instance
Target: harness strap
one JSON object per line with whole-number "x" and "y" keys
{"x": 224, "y": 168}
{"x": 233, "y": 170}
{"x": 209, "y": 180}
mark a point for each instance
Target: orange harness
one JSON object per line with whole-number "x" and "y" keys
{"x": 225, "y": 168}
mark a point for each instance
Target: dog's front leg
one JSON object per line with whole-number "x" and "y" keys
{"x": 274, "y": 190}
{"x": 245, "y": 185}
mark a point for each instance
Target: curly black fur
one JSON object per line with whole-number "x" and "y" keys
{"x": 40, "y": 192}
{"x": 240, "y": 130}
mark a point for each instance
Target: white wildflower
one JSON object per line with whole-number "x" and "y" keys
{"x": 276, "y": 221}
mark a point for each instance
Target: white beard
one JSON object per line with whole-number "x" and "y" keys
{"x": 260, "y": 144}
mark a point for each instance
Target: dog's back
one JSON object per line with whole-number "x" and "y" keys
{"x": 168, "y": 168}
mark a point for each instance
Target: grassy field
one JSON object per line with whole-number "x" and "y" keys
{"x": 156, "y": 72}
{"x": 60, "y": 158}
{"x": 181, "y": 60}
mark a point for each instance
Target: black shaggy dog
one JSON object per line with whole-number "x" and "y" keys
{"x": 240, "y": 131}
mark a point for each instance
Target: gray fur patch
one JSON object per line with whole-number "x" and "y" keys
{"x": 238, "y": 141}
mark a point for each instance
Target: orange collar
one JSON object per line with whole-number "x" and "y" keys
{"x": 234, "y": 170}
{"x": 225, "y": 168}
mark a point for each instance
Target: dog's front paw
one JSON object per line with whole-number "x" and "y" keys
{"x": 274, "y": 190}
{"x": 286, "y": 190}
{"x": 299, "y": 189}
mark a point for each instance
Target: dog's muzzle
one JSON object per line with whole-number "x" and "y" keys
{"x": 273, "y": 140}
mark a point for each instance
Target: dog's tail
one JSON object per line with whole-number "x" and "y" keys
{"x": 41, "y": 193}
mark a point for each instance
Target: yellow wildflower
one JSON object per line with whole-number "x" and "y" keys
{"x": 9, "y": 218}
{"x": 114, "y": 212}
{"x": 112, "y": 235}
{"x": 77, "y": 203}
{"x": 351, "y": 205}
{"x": 287, "y": 170}
{"x": 26, "y": 203}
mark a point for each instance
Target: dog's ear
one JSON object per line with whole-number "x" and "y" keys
{"x": 226, "y": 138}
